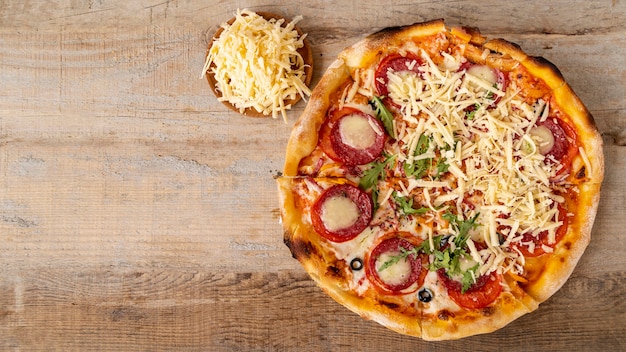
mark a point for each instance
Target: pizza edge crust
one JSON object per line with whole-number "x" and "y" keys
{"x": 559, "y": 267}
{"x": 506, "y": 309}
{"x": 304, "y": 136}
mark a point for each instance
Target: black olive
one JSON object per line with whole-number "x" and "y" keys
{"x": 356, "y": 264}
{"x": 425, "y": 295}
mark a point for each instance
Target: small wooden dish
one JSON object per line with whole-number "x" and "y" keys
{"x": 305, "y": 52}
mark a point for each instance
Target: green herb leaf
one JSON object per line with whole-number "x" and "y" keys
{"x": 375, "y": 193}
{"x": 406, "y": 205}
{"x": 442, "y": 167}
{"x": 470, "y": 114}
{"x": 491, "y": 93}
{"x": 468, "y": 278}
{"x": 374, "y": 173}
{"x": 418, "y": 168}
{"x": 462, "y": 227}
{"x": 396, "y": 258}
{"x": 384, "y": 115}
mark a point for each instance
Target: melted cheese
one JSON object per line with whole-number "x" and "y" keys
{"x": 484, "y": 73}
{"x": 357, "y": 131}
{"x": 256, "y": 63}
{"x": 394, "y": 274}
{"x": 339, "y": 213}
{"x": 440, "y": 300}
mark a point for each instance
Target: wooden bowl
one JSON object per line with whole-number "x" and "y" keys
{"x": 305, "y": 52}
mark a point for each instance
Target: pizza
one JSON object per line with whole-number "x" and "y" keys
{"x": 440, "y": 183}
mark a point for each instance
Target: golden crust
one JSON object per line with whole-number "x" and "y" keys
{"x": 304, "y": 135}
{"x": 588, "y": 134}
{"x": 549, "y": 273}
{"x": 555, "y": 271}
{"x": 508, "y": 307}
{"x": 366, "y": 51}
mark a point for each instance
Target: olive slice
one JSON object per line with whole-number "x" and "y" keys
{"x": 425, "y": 295}
{"x": 356, "y": 264}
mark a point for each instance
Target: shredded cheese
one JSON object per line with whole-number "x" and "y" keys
{"x": 256, "y": 64}
{"x": 488, "y": 152}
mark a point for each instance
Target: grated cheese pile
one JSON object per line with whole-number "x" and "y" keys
{"x": 492, "y": 155}
{"x": 256, "y": 63}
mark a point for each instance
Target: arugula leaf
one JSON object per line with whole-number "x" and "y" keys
{"x": 491, "y": 93}
{"x": 442, "y": 259}
{"x": 469, "y": 114}
{"x": 404, "y": 253}
{"x": 468, "y": 278}
{"x": 462, "y": 226}
{"x": 447, "y": 259}
{"x": 371, "y": 176}
{"x": 375, "y": 172}
{"x": 419, "y": 167}
{"x": 442, "y": 167}
{"x": 407, "y": 205}
{"x": 384, "y": 115}
{"x": 375, "y": 193}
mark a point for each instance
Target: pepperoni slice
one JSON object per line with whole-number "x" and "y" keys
{"x": 396, "y": 63}
{"x": 482, "y": 293}
{"x": 403, "y": 275}
{"x": 564, "y": 149}
{"x": 357, "y": 138}
{"x": 489, "y": 74}
{"x": 542, "y": 239}
{"x": 341, "y": 212}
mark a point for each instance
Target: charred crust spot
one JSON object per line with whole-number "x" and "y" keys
{"x": 581, "y": 173}
{"x": 567, "y": 245}
{"x": 389, "y": 305}
{"x": 390, "y": 31}
{"x": 502, "y": 46}
{"x": 337, "y": 270}
{"x": 445, "y": 315}
{"x": 334, "y": 271}
{"x": 562, "y": 259}
{"x": 488, "y": 311}
{"x": 300, "y": 249}
{"x": 287, "y": 239}
{"x": 544, "y": 63}
{"x": 476, "y": 37}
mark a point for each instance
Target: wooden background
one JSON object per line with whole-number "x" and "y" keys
{"x": 139, "y": 214}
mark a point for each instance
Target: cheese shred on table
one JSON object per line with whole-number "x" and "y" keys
{"x": 256, "y": 63}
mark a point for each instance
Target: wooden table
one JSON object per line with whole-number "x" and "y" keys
{"x": 137, "y": 213}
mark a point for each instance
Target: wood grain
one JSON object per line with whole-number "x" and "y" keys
{"x": 137, "y": 213}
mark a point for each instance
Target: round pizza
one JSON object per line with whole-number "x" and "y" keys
{"x": 440, "y": 183}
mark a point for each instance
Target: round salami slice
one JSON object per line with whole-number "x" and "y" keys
{"x": 490, "y": 76}
{"x": 341, "y": 212}
{"x": 395, "y": 63}
{"x": 394, "y": 268}
{"x": 357, "y": 138}
{"x": 482, "y": 293}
